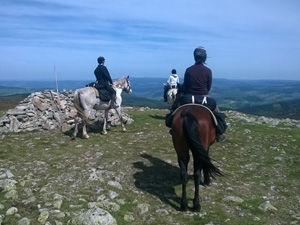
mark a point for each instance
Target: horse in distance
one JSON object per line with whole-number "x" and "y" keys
{"x": 171, "y": 97}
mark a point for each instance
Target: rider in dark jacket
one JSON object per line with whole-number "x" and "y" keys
{"x": 196, "y": 87}
{"x": 197, "y": 84}
{"x": 104, "y": 80}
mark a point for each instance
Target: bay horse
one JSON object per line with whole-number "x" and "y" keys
{"x": 194, "y": 128}
{"x": 85, "y": 99}
{"x": 171, "y": 97}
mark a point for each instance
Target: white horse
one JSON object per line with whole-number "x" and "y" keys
{"x": 171, "y": 97}
{"x": 85, "y": 99}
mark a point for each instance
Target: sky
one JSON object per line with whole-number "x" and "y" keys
{"x": 244, "y": 39}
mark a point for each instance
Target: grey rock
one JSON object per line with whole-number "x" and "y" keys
{"x": 8, "y": 184}
{"x": 94, "y": 216}
{"x": 108, "y": 205}
{"x": 24, "y": 221}
{"x": 1, "y": 218}
{"x": 29, "y": 200}
{"x": 115, "y": 184}
{"x": 266, "y": 206}
{"x": 128, "y": 217}
{"x": 113, "y": 194}
{"x": 12, "y": 194}
{"x": 143, "y": 208}
{"x": 4, "y": 173}
{"x": 11, "y": 211}
{"x": 43, "y": 216}
{"x": 233, "y": 199}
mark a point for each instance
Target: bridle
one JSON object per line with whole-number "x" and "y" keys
{"x": 127, "y": 89}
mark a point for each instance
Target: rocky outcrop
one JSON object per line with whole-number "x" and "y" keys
{"x": 47, "y": 111}
{"x": 262, "y": 119}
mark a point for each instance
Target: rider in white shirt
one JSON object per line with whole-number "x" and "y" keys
{"x": 171, "y": 83}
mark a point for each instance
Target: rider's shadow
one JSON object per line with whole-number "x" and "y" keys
{"x": 158, "y": 179}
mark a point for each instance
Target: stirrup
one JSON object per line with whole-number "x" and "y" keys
{"x": 220, "y": 137}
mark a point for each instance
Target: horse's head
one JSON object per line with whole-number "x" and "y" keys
{"x": 127, "y": 89}
{"x": 123, "y": 84}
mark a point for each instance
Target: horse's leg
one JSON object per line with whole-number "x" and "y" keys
{"x": 84, "y": 133}
{"x": 183, "y": 163}
{"x": 197, "y": 180}
{"x": 119, "y": 112}
{"x": 75, "y": 128}
{"x": 206, "y": 176}
{"x": 105, "y": 123}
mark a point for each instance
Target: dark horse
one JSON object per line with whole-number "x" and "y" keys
{"x": 194, "y": 128}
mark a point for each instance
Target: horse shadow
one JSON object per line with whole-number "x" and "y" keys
{"x": 157, "y": 117}
{"x": 158, "y": 179}
{"x": 94, "y": 128}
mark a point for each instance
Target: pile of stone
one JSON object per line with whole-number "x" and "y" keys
{"x": 48, "y": 110}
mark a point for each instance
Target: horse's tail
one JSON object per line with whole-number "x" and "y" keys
{"x": 78, "y": 106}
{"x": 192, "y": 135}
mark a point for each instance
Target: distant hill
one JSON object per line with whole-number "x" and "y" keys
{"x": 130, "y": 100}
{"x": 11, "y": 101}
{"x": 5, "y": 90}
{"x": 276, "y": 98}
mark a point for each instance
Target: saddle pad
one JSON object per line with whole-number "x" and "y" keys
{"x": 212, "y": 114}
{"x": 96, "y": 92}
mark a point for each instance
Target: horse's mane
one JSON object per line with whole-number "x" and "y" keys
{"x": 120, "y": 82}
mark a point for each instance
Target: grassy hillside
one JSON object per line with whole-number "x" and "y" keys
{"x": 260, "y": 163}
{"x": 282, "y": 109}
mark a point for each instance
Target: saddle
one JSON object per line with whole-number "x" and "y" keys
{"x": 218, "y": 118}
{"x": 101, "y": 93}
{"x": 211, "y": 113}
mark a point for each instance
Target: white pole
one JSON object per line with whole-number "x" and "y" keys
{"x": 56, "y": 80}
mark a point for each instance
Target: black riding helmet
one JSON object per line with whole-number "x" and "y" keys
{"x": 200, "y": 54}
{"x": 100, "y": 59}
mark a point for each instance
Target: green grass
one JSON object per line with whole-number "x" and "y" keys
{"x": 260, "y": 163}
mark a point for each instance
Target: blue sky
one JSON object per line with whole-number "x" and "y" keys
{"x": 249, "y": 39}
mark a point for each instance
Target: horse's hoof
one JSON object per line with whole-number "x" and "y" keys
{"x": 86, "y": 136}
{"x": 197, "y": 208}
{"x": 183, "y": 208}
{"x": 104, "y": 132}
{"x": 124, "y": 130}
